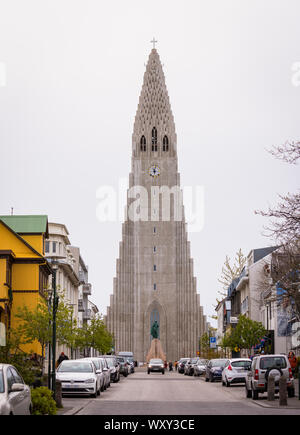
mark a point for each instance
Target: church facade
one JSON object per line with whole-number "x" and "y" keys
{"x": 154, "y": 279}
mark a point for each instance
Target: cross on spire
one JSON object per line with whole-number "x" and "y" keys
{"x": 154, "y": 41}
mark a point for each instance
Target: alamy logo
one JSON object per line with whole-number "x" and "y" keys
{"x": 160, "y": 203}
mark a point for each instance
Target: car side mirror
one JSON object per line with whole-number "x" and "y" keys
{"x": 17, "y": 387}
{"x": 98, "y": 372}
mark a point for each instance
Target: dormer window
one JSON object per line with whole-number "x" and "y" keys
{"x": 143, "y": 143}
{"x": 165, "y": 143}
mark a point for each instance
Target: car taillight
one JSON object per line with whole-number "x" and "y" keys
{"x": 229, "y": 368}
{"x": 256, "y": 377}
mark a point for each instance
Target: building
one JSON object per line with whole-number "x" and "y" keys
{"x": 24, "y": 270}
{"x": 71, "y": 277}
{"x": 155, "y": 279}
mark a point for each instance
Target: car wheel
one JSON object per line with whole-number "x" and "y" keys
{"x": 227, "y": 383}
{"x": 148, "y": 372}
{"x": 248, "y": 393}
{"x": 254, "y": 394}
{"x": 223, "y": 383}
{"x": 211, "y": 379}
{"x": 206, "y": 380}
{"x": 94, "y": 395}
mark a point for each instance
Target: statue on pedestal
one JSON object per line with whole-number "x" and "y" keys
{"x": 155, "y": 330}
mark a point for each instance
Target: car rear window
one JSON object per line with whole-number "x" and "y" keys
{"x": 218, "y": 362}
{"x": 241, "y": 364}
{"x": 272, "y": 362}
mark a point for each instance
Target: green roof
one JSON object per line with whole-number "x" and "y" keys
{"x": 27, "y": 224}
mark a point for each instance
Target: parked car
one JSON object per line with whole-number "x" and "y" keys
{"x": 114, "y": 367}
{"x": 156, "y": 365}
{"x": 100, "y": 373}
{"x": 189, "y": 366}
{"x": 181, "y": 364}
{"x": 123, "y": 365}
{"x": 106, "y": 371}
{"x": 15, "y": 397}
{"x": 236, "y": 371}
{"x": 130, "y": 366}
{"x": 200, "y": 367}
{"x": 214, "y": 369}
{"x": 79, "y": 377}
{"x": 262, "y": 366}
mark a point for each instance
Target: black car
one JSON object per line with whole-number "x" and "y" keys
{"x": 181, "y": 364}
{"x": 214, "y": 370}
{"x": 114, "y": 366}
{"x": 123, "y": 365}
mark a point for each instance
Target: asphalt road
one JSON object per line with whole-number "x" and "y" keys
{"x": 172, "y": 394}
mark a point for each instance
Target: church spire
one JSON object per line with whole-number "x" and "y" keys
{"x": 154, "y": 120}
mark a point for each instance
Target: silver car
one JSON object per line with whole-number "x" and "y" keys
{"x": 262, "y": 366}
{"x": 78, "y": 377}
{"x": 200, "y": 367}
{"x": 106, "y": 371}
{"x": 15, "y": 397}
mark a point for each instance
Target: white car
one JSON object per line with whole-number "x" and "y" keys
{"x": 100, "y": 373}
{"x": 236, "y": 371}
{"x": 106, "y": 371}
{"x": 15, "y": 396}
{"x": 79, "y": 377}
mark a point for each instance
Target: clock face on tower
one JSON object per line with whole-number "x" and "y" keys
{"x": 154, "y": 171}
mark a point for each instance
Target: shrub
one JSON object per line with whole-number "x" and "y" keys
{"x": 42, "y": 401}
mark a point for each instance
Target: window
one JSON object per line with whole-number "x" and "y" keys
{"x": 154, "y": 286}
{"x": 154, "y": 248}
{"x": 53, "y": 246}
{"x": 165, "y": 143}
{"x": 154, "y": 230}
{"x": 154, "y": 136}
{"x": 46, "y": 246}
{"x": 143, "y": 143}
{"x": 154, "y": 267}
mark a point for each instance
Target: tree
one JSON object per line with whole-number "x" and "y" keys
{"x": 36, "y": 325}
{"x": 284, "y": 228}
{"x": 245, "y": 335}
{"x": 230, "y": 272}
{"x": 94, "y": 335}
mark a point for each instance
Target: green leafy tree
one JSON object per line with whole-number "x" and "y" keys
{"x": 94, "y": 335}
{"x": 245, "y": 335}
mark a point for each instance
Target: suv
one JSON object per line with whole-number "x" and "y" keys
{"x": 262, "y": 366}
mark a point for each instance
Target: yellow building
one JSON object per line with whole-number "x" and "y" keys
{"x": 24, "y": 271}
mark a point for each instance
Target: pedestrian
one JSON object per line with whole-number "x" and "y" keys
{"x": 61, "y": 358}
{"x": 175, "y": 365}
{"x": 293, "y": 361}
{"x": 170, "y": 366}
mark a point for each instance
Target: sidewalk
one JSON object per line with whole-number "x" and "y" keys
{"x": 292, "y": 402}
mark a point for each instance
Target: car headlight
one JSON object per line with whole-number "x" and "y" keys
{"x": 150, "y": 367}
{"x": 90, "y": 381}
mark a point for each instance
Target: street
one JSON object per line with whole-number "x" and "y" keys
{"x": 173, "y": 394}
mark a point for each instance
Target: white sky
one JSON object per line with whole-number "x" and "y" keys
{"x": 73, "y": 73}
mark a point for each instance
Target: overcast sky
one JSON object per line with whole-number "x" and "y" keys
{"x": 71, "y": 74}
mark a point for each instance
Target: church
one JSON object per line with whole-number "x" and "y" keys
{"x": 154, "y": 272}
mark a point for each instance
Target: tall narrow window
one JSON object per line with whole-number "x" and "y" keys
{"x": 154, "y": 267}
{"x": 143, "y": 143}
{"x": 154, "y": 136}
{"x": 165, "y": 143}
{"x": 154, "y": 286}
{"x": 154, "y": 248}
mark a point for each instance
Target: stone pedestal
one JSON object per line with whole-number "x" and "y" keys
{"x": 156, "y": 351}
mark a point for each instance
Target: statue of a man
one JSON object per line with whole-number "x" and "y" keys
{"x": 155, "y": 329}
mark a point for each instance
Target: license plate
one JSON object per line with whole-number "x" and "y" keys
{"x": 69, "y": 386}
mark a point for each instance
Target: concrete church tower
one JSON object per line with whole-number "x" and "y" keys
{"x": 154, "y": 279}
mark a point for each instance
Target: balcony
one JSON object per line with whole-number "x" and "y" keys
{"x": 87, "y": 315}
{"x": 87, "y": 289}
{"x": 80, "y": 306}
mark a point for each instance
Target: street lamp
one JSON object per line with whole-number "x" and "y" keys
{"x": 54, "y": 265}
